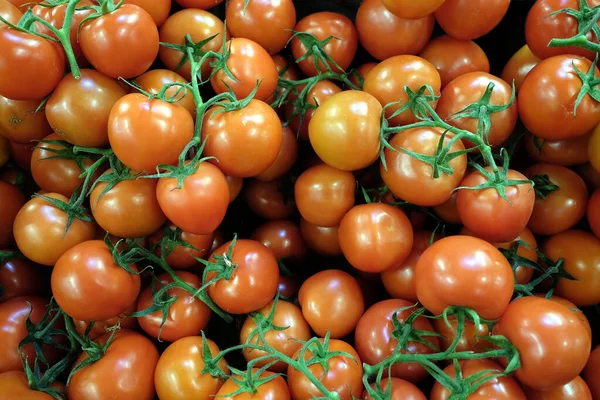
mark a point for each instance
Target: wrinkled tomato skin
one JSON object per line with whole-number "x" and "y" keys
{"x": 567, "y": 152}
{"x": 321, "y": 240}
{"x": 283, "y": 238}
{"x": 286, "y": 158}
{"x": 375, "y": 340}
{"x": 590, "y": 373}
{"x": 549, "y": 337}
{"x": 472, "y": 339}
{"x": 276, "y": 388}
{"x": 268, "y": 200}
{"x": 468, "y": 19}
{"x": 125, "y": 371}
{"x": 577, "y": 389}
{"x": 464, "y": 271}
{"x": 331, "y": 301}
{"x": 183, "y": 257}
{"x": 154, "y": 81}
{"x": 11, "y": 202}
{"x": 519, "y": 66}
{"x": 21, "y": 277}
{"x": 19, "y": 121}
{"x": 399, "y": 390}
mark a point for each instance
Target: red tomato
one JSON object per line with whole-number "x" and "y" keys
{"x": 518, "y": 67}
{"x": 549, "y": 337}
{"x": 4, "y": 151}
{"x": 590, "y": 175}
{"x": 567, "y": 152}
{"x": 122, "y": 43}
{"x": 10, "y": 13}
{"x": 201, "y": 4}
{"x": 470, "y": 19}
{"x": 183, "y": 257}
{"x": 158, "y": 9}
{"x": 523, "y": 273}
{"x": 15, "y": 385}
{"x": 376, "y": 338}
{"x": 102, "y": 327}
{"x": 594, "y": 149}
{"x": 286, "y": 158}
{"x": 269, "y": 200}
{"x": 376, "y": 25}
{"x": 235, "y": 186}
{"x": 590, "y": 373}
{"x": 155, "y": 80}
{"x": 472, "y": 338}
{"x": 283, "y": 238}
{"x": 448, "y": 211}
{"x": 363, "y": 71}
{"x": 19, "y": 121}
{"x": 577, "y": 389}
{"x": 571, "y": 306}
{"x": 321, "y": 240}
{"x": 11, "y": 202}
{"x": 593, "y": 212}
{"x": 21, "y": 277}
{"x": 399, "y": 390}
{"x": 331, "y": 301}
{"x": 412, "y": 10}
{"x": 21, "y": 154}
{"x": 464, "y": 271}
{"x": 275, "y": 388}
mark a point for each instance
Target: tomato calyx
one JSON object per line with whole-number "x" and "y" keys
{"x": 73, "y": 209}
{"x": 65, "y": 152}
{"x": 589, "y": 82}
{"x": 171, "y": 240}
{"x": 543, "y": 186}
{"x": 44, "y": 332}
{"x": 316, "y": 50}
{"x": 264, "y": 324}
{"x": 223, "y": 266}
{"x": 192, "y": 51}
{"x": 404, "y": 332}
{"x": 587, "y": 18}
{"x": 250, "y": 380}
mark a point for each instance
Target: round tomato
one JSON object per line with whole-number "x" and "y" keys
{"x": 235, "y": 186}
{"x": 399, "y": 390}
{"x": 590, "y": 373}
{"x": 470, "y": 19}
{"x": 593, "y": 212}
{"x": 269, "y": 200}
{"x": 21, "y": 154}
{"x": 180, "y": 256}
{"x": 567, "y": 152}
{"x": 10, "y": 13}
{"x": 286, "y": 158}
{"x": 518, "y": 67}
{"x": 571, "y": 306}
{"x": 155, "y": 80}
{"x": 158, "y": 9}
{"x": 321, "y": 240}
{"x": 283, "y": 238}
{"x": 11, "y": 202}
{"x": 275, "y": 388}
{"x": 448, "y": 210}
{"x": 472, "y": 338}
{"x": 464, "y": 271}
{"x": 412, "y": 10}
{"x": 15, "y": 385}
{"x": 577, "y": 389}
{"x": 20, "y": 122}
{"x": 21, "y": 277}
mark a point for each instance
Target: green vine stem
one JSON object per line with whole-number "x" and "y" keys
{"x": 587, "y": 18}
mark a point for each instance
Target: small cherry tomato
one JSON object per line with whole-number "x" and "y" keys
{"x": 12, "y": 201}
{"x": 283, "y": 238}
{"x": 472, "y": 338}
{"x": 275, "y": 388}
{"x": 590, "y": 373}
{"x": 399, "y": 390}
{"x": 155, "y": 80}
{"x": 182, "y": 257}
{"x": 321, "y": 240}
{"x": 270, "y": 200}
{"x": 567, "y": 152}
{"x": 470, "y": 19}
{"x": 519, "y": 65}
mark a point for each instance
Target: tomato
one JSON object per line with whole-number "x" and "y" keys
{"x": 101, "y": 327}
{"x": 276, "y": 388}
{"x": 548, "y": 95}
{"x": 363, "y": 71}
{"x": 321, "y": 240}
{"x": 472, "y": 339}
{"x": 11, "y": 201}
{"x": 4, "y": 151}
{"x": 20, "y": 65}
{"x": 201, "y": 4}
{"x": 523, "y": 273}
{"x": 200, "y": 25}
{"x": 286, "y": 158}
{"x": 155, "y": 80}
{"x": 376, "y": 340}
{"x": 286, "y": 68}
{"x": 376, "y": 25}
{"x": 453, "y": 58}
{"x": 590, "y": 373}
{"x": 129, "y": 209}
{"x": 549, "y": 337}
{"x": 561, "y": 209}
{"x": 571, "y": 306}
{"x": 158, "y": 10}
{"x": 518, "y": 67}
{"x": 412, "y": 180}
{"x": 343, "y": 375}
{"x": 410, "y": 10}
{"x": 125, "y": 371}
{"x": 21, "y": 154}
{"x": 567, "y": 152}
{"x": 541, "y": 27}
{"x": 576, "y": 389}
{"x": 122, "y": 43}
{"x": 19, "y": 121}
{"x": 235, "y": 186}
{"x": 10, "y": 13}
{"x": 448, "y": 210}
{"x": 269, "y": 199}
{"x": 464, "y": 271}
{"x": 21, "y": 277}
{"x": 590, "y": 175}
{"x": 183, "y": 257}
{"x": 593, "y": 212}
{"x": 286, "y": 341}
{"x": 399, "y": 390}
{"x": 468, "y": 19}
{"x": 39, "y": 230}
{"x": 283, "y": 238}
{"x": 15, "y": 385}
{"x": 331, "y": 301}
{"x": 501, "y": 388}
{"x": 344, "y": 131}
{"x": 254, "y": 280}
{"x": 245, "y": 142}
{"x": 267, "y": 22}
{"x": 375, "y": 237}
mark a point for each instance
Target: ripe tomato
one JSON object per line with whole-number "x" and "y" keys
{"x": 19, "y": 121}
{"x": 122, "y": 43}
{"x": 101, "y": 327}
{"x": 21, "y": 154}
{"x": 11, "y": 202}
{"x": 200, "y": 25}
{"x": 375, "y": 339}
{"x": 549, "y": 337}
{"x": 375, "y": 237}
{"x": 590, "y": 175}
{"x": 518, "y": 67}
{"x": 187, "y": 316}
{"x": 234, "y": 185}
{"x": 399, "y": 390}
{"x": 323, "y": 25}
{"x": 245, "y": 142}
{"x": 468, "y": 19}
{"x": 201, "y": 4}
{"x": 21, "y": 277}
{"x": 23, "y": 54}
{"x": 453, "y": 58}
{"x": 344, "y": 131}
{"x": 183, "y": 257}
{"x": 472, "y": 339}
{"x": 129, "y": 209}
{"x": 180, "y": 372}
{"x": 158, "y": 9}
{"x": 567, "y": 152}
{"x": 331, "y": 301}
{"x": 321, "y": 240}
{"x": 412, "y": 180}
{"x": 39, "y": 230}
{"x": 276, "y": 388}
{"x": 561, "y": 209}
{"x": 286, "y": 158}
{"x": 594, "y": 148}
{"x": 548, "y": 95}
{"x": 448, "y": 211}
{"x": 10, "y": 13}
{"x": 254, "y": 280}
{"x": 523, "y": 273}
{"x": 286, "y": 341}
{"x": 590, "y": 373}
{"x": 464, "y": 271}
{"x": 267, "y": 22}
{"x": 15, "y": 385}
{"x": 363, "y": 71}
{"x": 155, "y": 80}
{"x": 376, "y": 25}
{"x": 343, "y": 375}
{"x": 412, "y": 10}
{"x": 577, "y": 389}
{"x": 130, "y": 359}
{"x": 502, "y": 388}
{"x": 593, "y": 212}
{"x": 571, "y": 306}
{"x": 283, "y": 238}
{"x": 269, "y": 200}
{"x": 89, "y": 268}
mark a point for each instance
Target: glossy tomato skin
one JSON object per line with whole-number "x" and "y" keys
{"x": 502, "y": 388}
{"x": 21, "y": 277}
{"x": 375, "y": 340}
{"x": 286, "y": 158}
{"x": 199, "y": 206}
{"x": 9, "y": 12}
{"x": 376, "y": 24}
{"x": 182, "y": 257}
{"x": 201, "y": 4}
{"x": 269, "y": 199}
{"x": 274, "y": 389}
{"x": 344, "y": 131}
{"x": 21, "y": 59}
{"x": 399, "y": 390}
{"x": 561, "y": 209}
{"x": 344, "y": 375}
{"x": 488, "y": 215}
{"x": 14, "y": 385}
{"x": 412, "y": 180}
{"x": 39, "y": 230}
{"x": 548, "y": 95}
{"x": 283, "y": 238}
{"x": 411, "y": 10}
{"x": 464, "y": 271}
{"x": 179, "y": 372}
{"x": 453, "y": 58}
{"x": 122, "y": 43}
{"x": 11, "y": 202}
{"x": 590, "y": 373}
{"x": 566, "y": 152}
{"x": 156, "y": 129}
{"x": 154, "y": 80}
{"x": 158, "y": 10}
{"x": 375, "y": 237}
{"x": 467, "y": 19}
{"x": 593, "y": 212}
{"x": 519, "y": 66}
{"x": 576, "y": 389}
{"x": 89, "y": 268}
{"x": 129, "y": 209}
{"x": 387, "y": 80}
{"x": 19, "y": 121}
{"x": 548, "y": 336}
{"x": 321, "y": 240}
{"x": 254, "y": 281}
{"x": 125, "y": 371}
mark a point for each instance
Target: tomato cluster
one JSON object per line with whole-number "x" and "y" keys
{"x": 243, "y": 200}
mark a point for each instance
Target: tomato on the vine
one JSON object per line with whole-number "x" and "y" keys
{"x": 472, "y": 338}
{"x": 155, "y": 80}
{"x": 21, "y": 121}
{"x": 182, "y": 257}
{"x": 15, "y": 385}
{"x": 399, "y": 390}
{"x": 274, "y": 388}
{"x": 158, "y": 9}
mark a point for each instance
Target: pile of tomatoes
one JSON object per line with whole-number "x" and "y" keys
{"x": 241, "y": 200}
